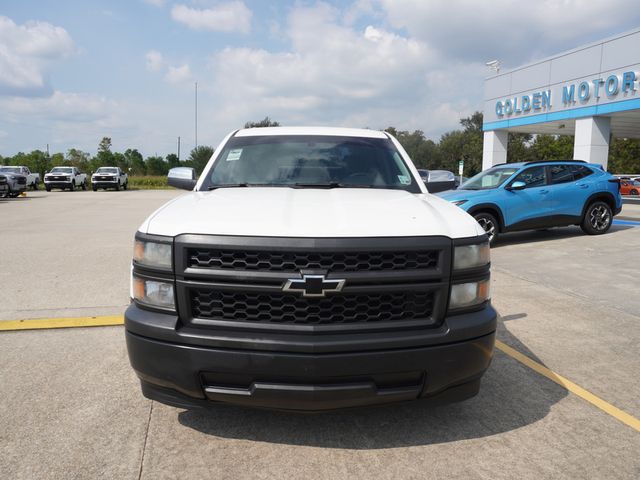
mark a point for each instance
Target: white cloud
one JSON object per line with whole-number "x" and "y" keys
{"x": 353, "y": 76}
{"x": 155, "y": 61}
{"x": 472, "y": 31}
{"x": 224, "y": 17}
{"x": 155, "y": 3}
{"x": 25, "y": 53}
{"x": 179, "y": 74}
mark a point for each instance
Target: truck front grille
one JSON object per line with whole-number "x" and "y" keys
{"x": 278, "y": 261}
{"x": 281, "y": 308}
{"x": 22, "y": 180}
{"x": 239, "y": 282}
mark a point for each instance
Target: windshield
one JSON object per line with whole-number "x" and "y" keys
{"x": 310, "y": 161}
{"x": 492, "y": 178}
{"x": 61, "y": 170}
{"x": 107, "y": 170}
{"x": 10, "y": 169}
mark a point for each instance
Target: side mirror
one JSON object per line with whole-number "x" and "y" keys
{"x": 182, "y": 177}
{"x": 517, "y": 186}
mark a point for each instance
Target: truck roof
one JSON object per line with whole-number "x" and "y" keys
{"x": 329, "y": 131}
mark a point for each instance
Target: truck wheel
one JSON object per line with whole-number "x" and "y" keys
{"x": 634, "y": 192}
{"x": 47, "y": 188}
{"x": 94, "y": 188}
{"x": 489, "y": 224}
{"x": 84, "y": 185}
{"x": 126, "y": 185}
{"x": 118, "y": 187}
{"x": 34, "y": 186}
{"x": 597, "y": 219}
{"x": 72, "y": 187}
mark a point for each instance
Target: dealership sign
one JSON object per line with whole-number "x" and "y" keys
{"x": 575, "y": 94}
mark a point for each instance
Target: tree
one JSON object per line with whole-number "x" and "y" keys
{"x": 104, "y": 158}
{"x": 156, "y": 165}
{"x": 78, "y": 158}
{"x": 172, "y": 160}
{"x": 104, "y": 145}
{"x": 199, "y": 157}
{"x": 135, "y": 161}
{"x": 265, "y": 122}
{"x": 624, "y": 155}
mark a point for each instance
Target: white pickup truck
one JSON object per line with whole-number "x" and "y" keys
{"x": 65, "y": 177}
{"x": 33, "y": 179}
{"x": 109, "y": 177}
{"x": 309, "y": 269}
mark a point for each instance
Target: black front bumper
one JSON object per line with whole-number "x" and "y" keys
{"x": 182, "y": 367}
{"x": 58, "y": 184}
{"x": 104, "y": 184}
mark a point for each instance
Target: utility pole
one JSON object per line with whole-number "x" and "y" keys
{"x": 178, "y": 148}
{"x": 196, "y": 115}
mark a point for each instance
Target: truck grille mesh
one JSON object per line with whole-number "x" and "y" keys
{"x": 276, "y": 261}
{"x": 283, "y": 308}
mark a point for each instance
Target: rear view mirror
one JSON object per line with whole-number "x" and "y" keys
{"x": 517, "y": 186}
{"x": 182, "y": 177}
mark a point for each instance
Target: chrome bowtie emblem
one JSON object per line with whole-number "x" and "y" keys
{"x": 313, "y": 285}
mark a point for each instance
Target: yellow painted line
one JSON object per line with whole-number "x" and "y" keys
{"x": 606, "y": 407}
{"x": 69, "y": 322}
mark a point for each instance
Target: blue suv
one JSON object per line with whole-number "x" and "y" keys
{"x": 531, "y": 195}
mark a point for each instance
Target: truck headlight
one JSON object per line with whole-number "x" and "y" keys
{"x": 152, "y": 254}
{"x": 154, "y": 293}
{"x": 469, "y": 294}
{"x": 471, "y": 256}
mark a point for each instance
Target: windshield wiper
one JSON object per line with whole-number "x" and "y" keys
{"x": 328, "y": 185}
{"x": 228, "y": 185}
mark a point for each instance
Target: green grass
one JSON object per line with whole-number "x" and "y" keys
{"x": 148, "y": 182}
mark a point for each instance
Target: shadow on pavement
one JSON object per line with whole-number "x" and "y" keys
{"x": 547, "y": 235}
{"x": 512, "y": 396}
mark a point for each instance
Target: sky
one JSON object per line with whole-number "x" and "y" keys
{"x": 74, "y": 71}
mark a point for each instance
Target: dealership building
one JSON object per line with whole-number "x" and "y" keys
{"x": 591, "y": 92}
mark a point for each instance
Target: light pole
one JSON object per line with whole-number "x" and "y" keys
{"x": 196, "y": 115}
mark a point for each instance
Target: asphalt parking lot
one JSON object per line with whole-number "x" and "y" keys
{"x": 71, "y": 407}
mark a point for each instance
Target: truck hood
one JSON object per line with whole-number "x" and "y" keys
{"x": 315, "y": 213}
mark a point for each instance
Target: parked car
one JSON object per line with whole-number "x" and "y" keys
{"x": 65, "y": 177}
{"x": 4, "y": 186}
{"x": 531, "y": 195}
{"x": 109, "y": 177}
{"x": 308, "y": 269}
{"x": 629, "y": 187}
{"x": 33, "y": 179}
{"x": 16, "y": 181}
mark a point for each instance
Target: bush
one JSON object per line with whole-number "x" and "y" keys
{"x": 148, "y": 182}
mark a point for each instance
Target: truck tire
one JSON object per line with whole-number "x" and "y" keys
{"x": 634, "y": 192}
{"x": 118, "y": 186}
{"x": 84, "y": 185}
{"x": 489, "y": 224}
{"x": 126, "y": 185}
{"x": 94, "y": 188}
{"x": 47, "y": 188}
{"x": 72, "y": 187}
{"x": 35, "y": 186}
{"x": 597, "y": 218}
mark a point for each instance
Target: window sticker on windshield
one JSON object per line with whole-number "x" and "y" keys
{"x": 404, "y": 179}
{"x": 234, "y": 155}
